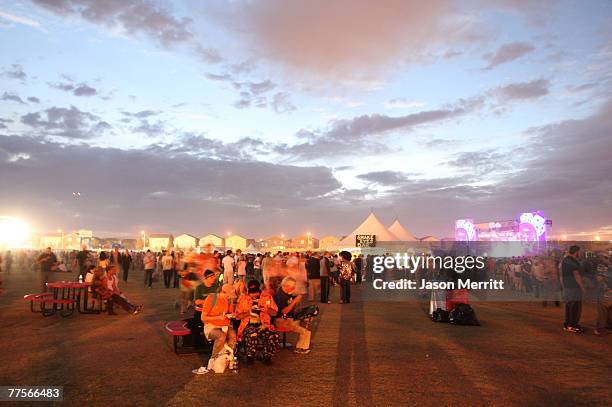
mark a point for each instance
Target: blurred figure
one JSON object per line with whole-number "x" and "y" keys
{"x": 126, "y": 262}
{"x": 48, "y": 263}
{"x": 228, "y": 268}
{"x": 573, "y": 290}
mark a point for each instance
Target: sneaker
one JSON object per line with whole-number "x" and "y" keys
{"x": 200, "y": 370}
{"x": 301, "y": 351}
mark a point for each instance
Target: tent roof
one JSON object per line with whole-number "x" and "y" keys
{"x": 251, "y": 249}
{"x": 400, "y": 231}
{"x": 370, "y": 226}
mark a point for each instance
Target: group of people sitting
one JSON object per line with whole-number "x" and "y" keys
{"x": 247, "y": 315}
{"x": 105, "y": 287}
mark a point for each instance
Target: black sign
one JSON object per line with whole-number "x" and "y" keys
{"x": 365, "y": 240}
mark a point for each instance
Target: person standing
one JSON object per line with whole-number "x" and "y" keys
{"x": 346, "y": 270}
{"x": 167, "y": 262}
{"x": 126, "y": 262}
{"x": 324, "y": 278}
{"x": 241, "y": 268}
{"x": 358, "y": 268}
{"x": 573, "y": 290}
{"x": 228, "y": 268}
{"x": 48, "y": 262}
{"x": 257, "y": 267}
{"x": 313, "y": 269}
{"x": 149, "y": 267}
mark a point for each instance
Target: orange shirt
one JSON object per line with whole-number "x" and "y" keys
{"x": 222, "y": 306}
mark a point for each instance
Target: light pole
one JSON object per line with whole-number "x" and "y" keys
{"x": 308, "y": 241}
{"x": 144, "y": 239}
{"x": 61, "y": 245}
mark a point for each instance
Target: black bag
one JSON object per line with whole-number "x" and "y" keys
{"x": 440, "y": 315}
{"x": 463, "y": 314}
{"x": 307, "y": 312}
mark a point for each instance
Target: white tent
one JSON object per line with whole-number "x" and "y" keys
{"x": 370, "y": 226}
{"x": 251, "y": 249}
{"x": 398, "y": 230}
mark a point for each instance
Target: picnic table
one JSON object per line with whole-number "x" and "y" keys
{"x": 65, "y": 296}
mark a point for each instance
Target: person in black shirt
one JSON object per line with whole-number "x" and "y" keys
{"x": 286, "y": 302}
{"x": 573, "y": 290}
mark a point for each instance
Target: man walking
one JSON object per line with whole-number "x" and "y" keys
{"x": 573, "y": 290}
{"x": 228, "y": 268}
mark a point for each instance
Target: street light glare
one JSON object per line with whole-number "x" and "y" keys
{"x": 13, "y": 231}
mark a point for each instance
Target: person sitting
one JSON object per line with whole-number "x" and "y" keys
{"x": 254, "y": 310}
{"x": 287, "y": 302}
{"x": 216, "y": 313}
{"x": 117, "y": 296}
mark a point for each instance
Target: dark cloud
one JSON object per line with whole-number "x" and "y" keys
{"x": 78, "y": 89}
{"x": 66, "y": 122}
{"x": 581, "y": 88}
{"x": 200, "y": 195}
{"x": 84, "y": 90}
{"x": 356, "y": 134}
{"x": 246, "y": 148}
{"x": 529, "y": 90}
{"x": 33, "y": 99}
{"x": 136, "y": 18}
{"x": 12, "y": 97}
{"x": 507, "y": 53}
{"x": 15, "y": 72}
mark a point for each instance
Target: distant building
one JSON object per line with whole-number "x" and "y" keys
{"x": 215, "y": 240}
{"x": 274, "y": 243}
{"x": 52, "y": 240}
{"x": 159, "y": 241}
{"x": 305, "y": 242}
{"x": 328, "y": 242}
{"x": 236, "y": 242}
{"x": 186, "y": 241}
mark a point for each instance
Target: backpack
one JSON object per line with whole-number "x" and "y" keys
{"x": 440, "y": 315}
{"x": 463, "y": 314}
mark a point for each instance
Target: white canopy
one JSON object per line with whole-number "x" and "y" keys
{"x": 398, "y": 230}
{"x": 251, "y": 249}
{"x": 370, "y": 226}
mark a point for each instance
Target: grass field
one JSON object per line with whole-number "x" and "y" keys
{"x": 364, "y": 354}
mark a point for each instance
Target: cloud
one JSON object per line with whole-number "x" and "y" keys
{"x": 84, "y": 90}
{"x": 12, "y": 97}
{"x": 15, "y": 72}
{"x": 226, "y": 77}
{"x": 403, "y": 103}
{"x": 281, "y": 103}
{"x": 80, "y": 89}
{"x": 337, "y": 37}
{"x": 21, "y": 20}
{"x": 507, "y": 53}
{"x": 528, "y": 90}
{"x": 384, "y": 177}
{"x": 136, "y": 18}
{"x": 198, "y": 194}
{"x": 356, "y": 134}
{"x": 66, "y": 122}
{"x": 33, "y": 99}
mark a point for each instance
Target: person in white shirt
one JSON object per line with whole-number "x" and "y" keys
{"x": 167, "y": 267}
{"x": 228, "y": 268}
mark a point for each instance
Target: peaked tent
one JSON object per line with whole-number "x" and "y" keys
{"x": 370, "y": 226}
{"x": 398, "y": 230}
{"x": 251, "y": 249}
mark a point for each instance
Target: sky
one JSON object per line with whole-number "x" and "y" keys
{"x": 269, "y": 117}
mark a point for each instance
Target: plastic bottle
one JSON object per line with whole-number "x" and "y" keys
{"x": 80, "y": 278}
{"x": 235, "y": 365}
